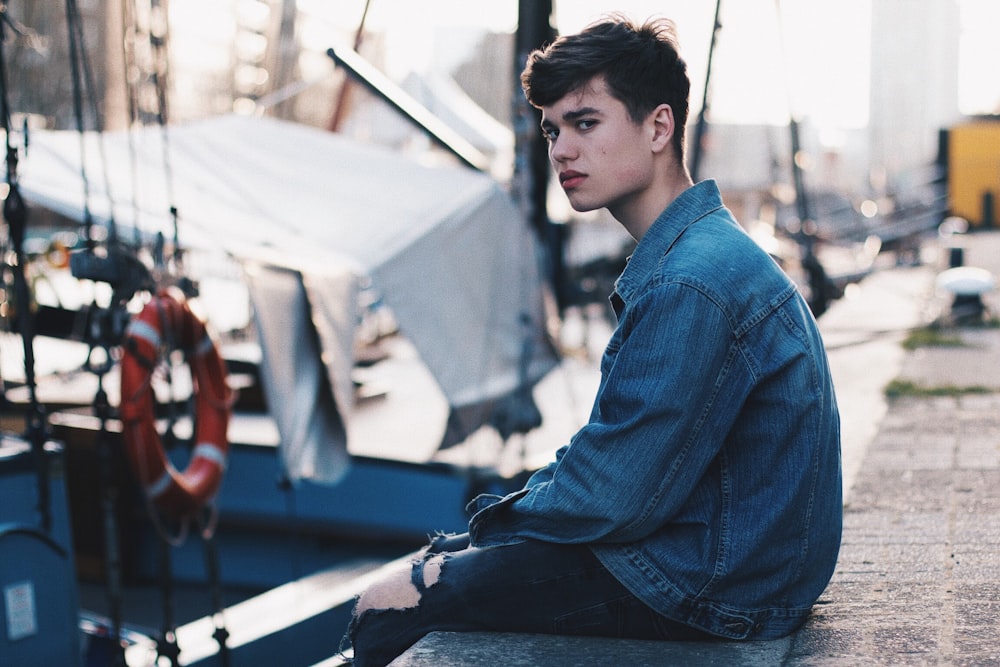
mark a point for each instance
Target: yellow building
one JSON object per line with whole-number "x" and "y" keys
{"x": 974, "y": 171}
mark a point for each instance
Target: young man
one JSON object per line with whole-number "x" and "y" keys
{"x": 703, "y": 498}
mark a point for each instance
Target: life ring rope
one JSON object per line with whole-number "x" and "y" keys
{"x": 165, "y": 324}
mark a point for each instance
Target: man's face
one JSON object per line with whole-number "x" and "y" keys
{"x": 602, "y": 158}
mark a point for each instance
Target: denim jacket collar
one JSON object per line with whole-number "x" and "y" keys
{"x": 694, "y": 203}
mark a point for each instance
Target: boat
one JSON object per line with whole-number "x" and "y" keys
{"x": 352, "y": 267}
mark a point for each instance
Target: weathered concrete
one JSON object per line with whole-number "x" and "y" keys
{"x": 475, "y": 649}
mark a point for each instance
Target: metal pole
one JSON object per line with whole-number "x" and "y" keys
{"x": 340, "y": 109}
{"x": 699, "y": 130}
{"x": 529, "y": 186}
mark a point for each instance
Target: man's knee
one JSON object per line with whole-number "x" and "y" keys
{"x": 403, "y": 588}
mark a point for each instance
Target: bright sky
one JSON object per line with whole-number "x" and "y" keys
{"x": 753, "y": 80}
{"x": 750, "y": 74}
{"x": 979, "y": 53}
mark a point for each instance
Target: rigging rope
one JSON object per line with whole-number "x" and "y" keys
{"x": 83, "y": 79}
{"x": 157, "y": 31}
{"x": 821, "y": 288}
{"x": 153, "y": 68}
{"x": 131, "y": 68}
{"x": 158, "y": 41}
{"x": 15, "y": 212}
{"x": 702, "y": 124}
{"x": 126, "y": 274}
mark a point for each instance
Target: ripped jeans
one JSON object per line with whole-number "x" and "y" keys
{"x": 532, "y": 587}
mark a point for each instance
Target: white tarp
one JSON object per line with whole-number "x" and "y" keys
{"x": 444, "y": 246}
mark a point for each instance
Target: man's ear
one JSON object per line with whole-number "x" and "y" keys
{"x": 663, "y": 127}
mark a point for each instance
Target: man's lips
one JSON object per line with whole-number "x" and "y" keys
{"x": 571, "y": 179}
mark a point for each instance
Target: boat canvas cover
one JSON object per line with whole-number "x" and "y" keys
{"x": 312, "y": 216}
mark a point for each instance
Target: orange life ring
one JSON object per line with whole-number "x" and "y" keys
{"x": 167, "y": 323}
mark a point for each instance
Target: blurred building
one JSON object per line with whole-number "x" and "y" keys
{"x": 914, "y": 81}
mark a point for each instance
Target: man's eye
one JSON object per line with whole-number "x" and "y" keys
{"x": 586, "y": 124}
{"x": 550, "y": 133}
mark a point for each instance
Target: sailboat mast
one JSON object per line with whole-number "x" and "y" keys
{"x": 340, "y": 109}
{"x": 699, "y": 130}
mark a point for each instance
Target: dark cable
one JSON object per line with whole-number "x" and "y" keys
{"x": 15, "y": 212}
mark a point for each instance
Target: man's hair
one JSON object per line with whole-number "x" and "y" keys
{"x": 640, "y": 63}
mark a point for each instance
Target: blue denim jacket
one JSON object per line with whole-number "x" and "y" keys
{"x": 708, "y": 477}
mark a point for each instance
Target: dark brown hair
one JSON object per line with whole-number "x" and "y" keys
{"x": 640, "y": 63}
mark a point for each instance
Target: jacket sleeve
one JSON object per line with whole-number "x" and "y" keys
{"x": 666, "y": 402}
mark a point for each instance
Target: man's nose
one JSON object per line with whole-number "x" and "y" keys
{"x": 560, "y": 149}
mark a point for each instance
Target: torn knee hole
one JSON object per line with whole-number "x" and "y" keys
{"x": 432, "y": 569}
{"x": 402, "y": 589}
